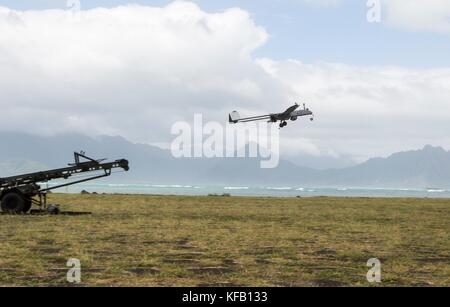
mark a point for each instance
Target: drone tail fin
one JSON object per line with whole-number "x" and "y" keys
{"x": 234, "y": 117}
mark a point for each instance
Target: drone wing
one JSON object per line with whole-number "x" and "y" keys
{"x": 289, "y": 110}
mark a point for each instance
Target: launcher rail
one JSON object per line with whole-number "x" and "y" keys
{"x": 19, "y": 193}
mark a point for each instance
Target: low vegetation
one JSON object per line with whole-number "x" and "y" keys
{"x": 131, "y": 240}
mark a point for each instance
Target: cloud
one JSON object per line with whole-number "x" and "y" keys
{"x": 124, "y": 69}
{"x": 135, "y": 70}
{"x": 419, "y": 15}
{"x": 324, "y": 3}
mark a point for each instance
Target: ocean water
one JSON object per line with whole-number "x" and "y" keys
{"x": 270, "y": 190}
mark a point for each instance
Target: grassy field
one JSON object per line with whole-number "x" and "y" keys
{"x": 229, "y": 241}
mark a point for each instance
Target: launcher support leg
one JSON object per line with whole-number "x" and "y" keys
{"x": 42, "y": 201}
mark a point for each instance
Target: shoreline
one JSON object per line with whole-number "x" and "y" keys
{"x": 93, "y": 193}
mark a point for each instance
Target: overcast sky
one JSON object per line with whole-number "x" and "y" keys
{"x": 133, "y": 70}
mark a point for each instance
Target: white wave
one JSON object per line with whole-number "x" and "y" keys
{"x": 173, "y": 186}
{"x": 435, "y": 191}
{"x": 159, "y": 186}
{"x": 118, "y": 185}
{"x": 279, "y": 189}
{"x": 236, "y": 188}
{"x": 300, "y": 189}
{"x": 410, "y": 190}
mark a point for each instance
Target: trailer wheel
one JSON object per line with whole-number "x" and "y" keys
{"x": 13, "y": 202}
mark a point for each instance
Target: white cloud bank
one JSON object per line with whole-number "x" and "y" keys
{"x": 324, "y": 3}
{"x": 411, "y": 15}
{"x": 135, "y": 70}
{"x": 114, "y": 70}
{"x": 422, "y": 15}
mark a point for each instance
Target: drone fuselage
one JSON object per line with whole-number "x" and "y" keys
{"x": 292, "y": 113}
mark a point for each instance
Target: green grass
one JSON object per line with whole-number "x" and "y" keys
{"x": 214, "y": 241}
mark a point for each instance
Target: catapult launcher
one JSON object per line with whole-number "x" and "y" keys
{"x": 19, "y": 193}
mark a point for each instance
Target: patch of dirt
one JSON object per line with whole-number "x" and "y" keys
{"x": 325, "y": 251}
{"x": 107, "y": 256}
{"x": 301, "y": 240}
{"x": 434, "y": 259}
{"x": 83, "y": 270}
{"x": 55, "y": 261}
{"x": 46, "y": 242}
{"x": 144, "y": 271}
{"x": 356, "y": 259}
{"x": 93, "y": 270}
{"x": 58, "y": 270}
{"x": 188, "y": 255}
{"x": 47, "y": 250}
{"x": 423, "y": 284}
{"x": 289, "y": 284}
{"x": 263, "y": 261}
{"x": 154, "y": 242}
{"x": 328, "y": 283}
{"x": 321, "y": 268}
{"x": 181, "y": 261}
{"x": 318, "y": 229}
{"x": 123, "y": 242}
{"x": 185, "y": 246}
{"x": 220, "y": 285}
{"x": 263, "y": 250}
{"x": 230, "y": 262}
{"x": 211, "y": 270}
{"x": 183, "y": 241}
{"x": 8, "y": 270}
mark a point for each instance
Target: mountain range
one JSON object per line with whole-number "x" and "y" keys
{"x": 22, "y": 153}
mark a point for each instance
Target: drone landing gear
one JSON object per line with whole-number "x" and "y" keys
{"x": 283, "y": 124}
